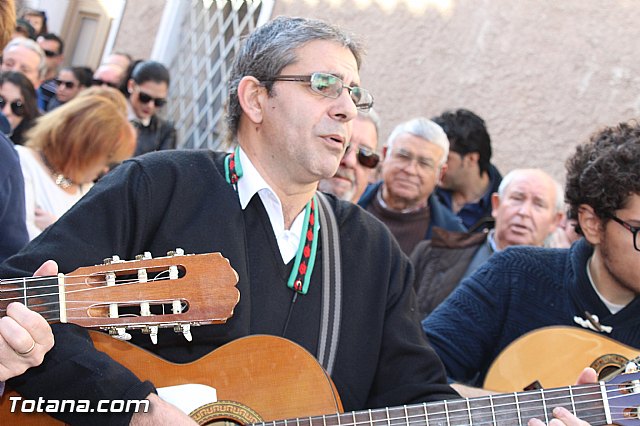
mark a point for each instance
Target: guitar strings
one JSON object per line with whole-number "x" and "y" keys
{"x": 463, "y": 414}
{"x": 101, "y": 285}
{"x": 25, "y": 280}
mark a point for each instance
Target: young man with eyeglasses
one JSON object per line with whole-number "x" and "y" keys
{"x": 414, "y": 160}
{"x": 52, "y": 46}
{"x": 359, "y": 162}
{"x": 595, "y": 284}
{"x": 147, "y": 90}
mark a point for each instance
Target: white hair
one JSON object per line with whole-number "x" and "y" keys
{"x": 31, "y": 45}
{"x": 424, "y": 129}
{"x": 509, "y": 177}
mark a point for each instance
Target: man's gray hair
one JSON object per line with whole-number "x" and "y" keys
{"x": 424, "y": 129}
{"x": 373, "y": 117}
{"x": 271, "y": 48}
{"x": 509, "y": 177}
{"x": 31, "y": 45}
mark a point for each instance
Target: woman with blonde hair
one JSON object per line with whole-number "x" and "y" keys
{"x": 68, "y": 149}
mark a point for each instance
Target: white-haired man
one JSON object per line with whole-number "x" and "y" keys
{"x": 26, "y": 56}
{"x": 414, "y": 160}
{"x": 527, "y": 209}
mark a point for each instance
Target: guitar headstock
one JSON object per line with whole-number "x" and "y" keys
{"x": 175, "y": 291}
{"x": 623, "y": 396}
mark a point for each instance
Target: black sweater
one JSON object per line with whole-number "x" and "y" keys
{"x": 180, "y": 199}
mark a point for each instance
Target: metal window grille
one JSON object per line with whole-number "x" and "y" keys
{"x": 210, "y": 37}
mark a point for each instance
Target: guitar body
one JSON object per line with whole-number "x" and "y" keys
{"x": 257, "y": 378}
{"x": 554, "y": 357}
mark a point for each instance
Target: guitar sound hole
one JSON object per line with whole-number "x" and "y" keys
{"x": 606, "y": 371}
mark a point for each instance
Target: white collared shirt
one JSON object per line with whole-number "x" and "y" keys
{"x": 250, "y": 183}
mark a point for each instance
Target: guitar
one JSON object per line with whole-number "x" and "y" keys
{"x": 554, "y": 356}
{"x": 265, "y": 378}
{"x": 176, "y": 291}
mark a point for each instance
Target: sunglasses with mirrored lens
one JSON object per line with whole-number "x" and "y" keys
{"x": 331, "y": 86}
{"x": 98, "y": 82}
{"x": 365, "y": 156}
{"x": 145, "y": 99}
{"x": 50, "y": 53}
{"x": 67, "y": 84}
{"x": 17, "y": 107}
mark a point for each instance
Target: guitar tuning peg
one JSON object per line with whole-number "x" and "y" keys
{"x": 144, "y": 256}
{"x": 176, "y": 252}
{"x": 185, "y": 329}
{"x": 119, "y": 333}
{"x": 153, "y": 333}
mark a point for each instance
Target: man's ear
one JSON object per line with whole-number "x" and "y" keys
{"x": 443, "y": 171}
{"x": 130, "y": 84}
{"x": 471, "y": 157}
{"x": 590, "y": 224}
{"x": 495, "y": 203}
{"x": 251, "y": 95}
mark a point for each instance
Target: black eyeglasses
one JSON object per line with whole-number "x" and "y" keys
{"x": 50, "y": 53}
{"x": 99, "y": 82}
{"x": 67, "y": 84}
{"x": 17, "y": 107}
{"x": 331, "y": 86}
{"x": 145, "y": 99}
{"x": 365, "y": 156}
{"x": 633, "y": 229}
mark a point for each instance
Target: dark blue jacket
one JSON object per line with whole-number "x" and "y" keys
{"x": 439, "y": 214}
{"x": 518, "y": 290}
{"x": 475, "y": 216}
{"x": 13, "y": 228}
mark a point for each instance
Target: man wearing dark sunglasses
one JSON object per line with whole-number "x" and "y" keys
{"x": 52, "y": 46}
{"x": 108, "y": 75}
{"x": 147, "y": 90}
{"x": 359, "y": 161}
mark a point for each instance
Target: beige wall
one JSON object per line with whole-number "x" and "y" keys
{"x": 139, "y": 27}
{"x": 543, "y": 74}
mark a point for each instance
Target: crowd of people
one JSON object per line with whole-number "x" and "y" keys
{"x": 442, "y": 261}
{"x": 58, "y": 133}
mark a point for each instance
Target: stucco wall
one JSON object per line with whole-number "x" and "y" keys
{"x": 543, "y": 74}
{"x": 139, "y": 26}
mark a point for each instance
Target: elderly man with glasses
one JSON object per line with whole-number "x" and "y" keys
{"x": 595, "y": 284}
{"x": 414, "y": 160}
{"x": 358, "y": 165}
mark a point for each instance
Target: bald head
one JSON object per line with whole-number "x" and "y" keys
{"x": 109, "y": 75}
{"x": 527, "y": 208}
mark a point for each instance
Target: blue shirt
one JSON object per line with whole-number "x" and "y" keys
{"x": 472, "y": 213}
